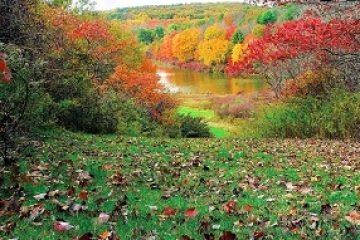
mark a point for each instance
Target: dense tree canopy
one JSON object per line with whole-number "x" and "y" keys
{"x": 185, "y": 44}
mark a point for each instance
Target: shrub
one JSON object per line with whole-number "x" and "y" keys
{"x": 238, "y": 37}
{"x": 110, "y": 113}
{"x": 269, "y": 16}
{"x": 291, "y": 12}
{"x": 159, "y": 32}
{"x": 146, "y": 36}
{"x": 90, "y": 114}
{"x": 334, "y": 116}
{"x": 24, "y": 106}
{"x": 193, "y": 127}
{"x": 258, "y": 30}
{"x": 214, "y": 32}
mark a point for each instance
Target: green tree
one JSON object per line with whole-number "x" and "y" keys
{"x": 221, "y": 17}
{"x": 159, "y": 32}
{"x": 238, "y": 37}
{"x": 146, "y": 36}
{"x": 291, "y": 12}
{"x": 174, "y": 27}
{"x": 269, "y": 16}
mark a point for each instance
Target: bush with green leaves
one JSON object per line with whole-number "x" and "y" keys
{"x": 238, "y": 37}
{"x": 159, "y": 32}
{"x": 24, "y": 105}
{"x": 269, "y": 16}
{"x": 291, "y": 12}
{"x": 95, "y": 113}
{"x": 334, "y": 116}
{"x": 146, "y": 36}
{"x": 191, "y": 127}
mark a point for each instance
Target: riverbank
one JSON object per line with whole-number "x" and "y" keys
{"x": 207, "y": 95}
{"x": 97, "y": 186}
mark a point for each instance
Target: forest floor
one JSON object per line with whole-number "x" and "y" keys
{"x": 81, "y": 186}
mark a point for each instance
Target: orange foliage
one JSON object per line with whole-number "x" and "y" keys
{"x": 229, "y": 20}
{"x": 230, "y": 32}
{"x": 165, "y": 52}
{"x": 105, "y": 43}
{"x": 184, "y": 44}
{"x": 249, "y": 39}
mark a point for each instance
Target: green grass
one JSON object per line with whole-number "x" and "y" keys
{"x": 195, "y": 112}
{"x": 278, "y": 187}
{"x": 207, "y": 115}
{"x": 219, "y": 132}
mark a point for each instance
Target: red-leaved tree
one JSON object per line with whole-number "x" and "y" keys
{"x": 297, "y": 46}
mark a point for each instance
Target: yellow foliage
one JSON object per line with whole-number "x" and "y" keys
{"x": 214, "y": 32}
{"x": 258, "y": 30}
{"x": 184, "y": 44}
{"x": 213, "y": 51}
{"x": 239, "y": 52}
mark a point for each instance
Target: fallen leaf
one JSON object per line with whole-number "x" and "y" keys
{"x": 8, "y": 226}
{"x": 248, "y": 208}
{"x": 168, "y": 211}
{"x": 228, "y": 236}
{"x": 71, "y": 192}
{"x": 353, "y": 217}
{"x": 230, "y": 207}
{"x": 191, "y": 212}
{"x": 62, "y": 226}
{"x": 86, "y": 236}
{"x": 185, "y": 237}
{"x": 41, "y": 196}
{"x": 103, "y": 218}
{"x": 83, "y": 195}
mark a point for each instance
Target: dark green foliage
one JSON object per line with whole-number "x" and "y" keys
{"x": 238, "y": 37}
{"x": 111, "y": 113}
{"x": 193, "y": 127}
{"x": 90, "y": 113}
{"x": 269, "y": 16}
{"x": 334, "y": 116}
{"x": 146, "y": 36}
{"x": 159, "y": 32}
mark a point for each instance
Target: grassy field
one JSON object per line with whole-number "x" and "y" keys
{"x": 182, "y": 189}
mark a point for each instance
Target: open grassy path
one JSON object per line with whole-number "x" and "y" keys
{"x": 182, "y": 189}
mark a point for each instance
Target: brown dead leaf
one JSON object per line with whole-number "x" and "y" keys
{"x": 353, "y": 217}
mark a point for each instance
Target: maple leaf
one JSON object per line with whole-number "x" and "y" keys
{"x": 168, "y": 211}
{"x": 83, "y": 195}
{"x": 230, "y": 207}
{"x": 248, "y": 208}
{"x": 191, "y": 212}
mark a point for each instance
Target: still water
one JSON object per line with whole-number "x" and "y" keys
{"x": 186, "y": 81}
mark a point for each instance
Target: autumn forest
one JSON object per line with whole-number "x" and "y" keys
{"x": 227, "y": 120}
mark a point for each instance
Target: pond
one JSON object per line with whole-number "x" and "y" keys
{"x": 177, "y": 80}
